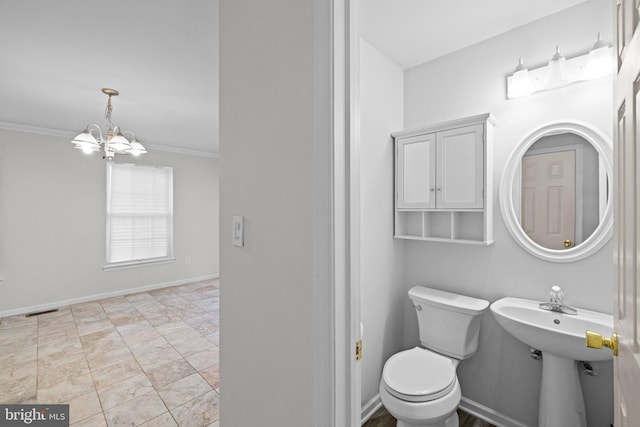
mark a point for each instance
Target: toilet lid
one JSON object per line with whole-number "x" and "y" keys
{"x": 419, "y": 375}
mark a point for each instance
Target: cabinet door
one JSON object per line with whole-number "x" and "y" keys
{"x": 460, "y": 172}
{"x": 415, "y": 172}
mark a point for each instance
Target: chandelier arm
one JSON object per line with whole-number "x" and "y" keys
{"x": 91, "y": 127}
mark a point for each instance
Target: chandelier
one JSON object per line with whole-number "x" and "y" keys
{"x": 113, "y": 142}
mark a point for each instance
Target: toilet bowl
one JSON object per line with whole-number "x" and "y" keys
{"x": 419, "y": 386}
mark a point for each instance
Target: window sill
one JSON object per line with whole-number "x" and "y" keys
{"x": 137, "y": 263}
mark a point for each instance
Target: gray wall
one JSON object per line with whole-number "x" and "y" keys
{"x": 53, "y": 219}
{"x": 267, "y": 175}
{"x": 472, "y": 81}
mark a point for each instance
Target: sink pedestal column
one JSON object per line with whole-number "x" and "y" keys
{"x": 561, "y": 401}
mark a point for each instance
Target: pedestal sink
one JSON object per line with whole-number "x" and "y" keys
{"x": 561, "y": 339}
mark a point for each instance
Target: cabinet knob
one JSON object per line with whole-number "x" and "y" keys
{"x": 439, "y": 189}
{"x": 432, "y": 189}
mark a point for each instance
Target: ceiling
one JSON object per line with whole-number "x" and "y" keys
{"x": 162, "y": 55}
{"x": 411, "y": 32}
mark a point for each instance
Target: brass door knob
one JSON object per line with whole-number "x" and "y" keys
{"x": 596, "y": 340}
{"x": 567, "y": 243}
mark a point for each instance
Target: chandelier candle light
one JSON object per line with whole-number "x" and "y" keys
{"x": 115, "y": 141}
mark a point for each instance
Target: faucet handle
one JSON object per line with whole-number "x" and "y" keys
{"x": 556, "y": 295}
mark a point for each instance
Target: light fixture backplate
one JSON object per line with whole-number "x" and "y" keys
{"x": 110, "y": 92}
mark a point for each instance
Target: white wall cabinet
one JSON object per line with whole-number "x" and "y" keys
{"x": 443, "y": 182}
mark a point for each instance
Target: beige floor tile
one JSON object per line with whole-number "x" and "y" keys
{"x": 94, "y": 421}
{"x": 69, "y": 334}
{"x": 85, "y": 406}
{"x": 211, "y": 375}
{"x": 174, "y": 328}
{"x": 199, "y": 412}
{"x": 164, "y": 420}
{"x": 90, "y": 326}
{"x": 59, "y": 369}
{"x": 25, "y": 355}
{"x": 21, "y": 390}
{"x": 65, "y": 391}
{"x": 154, "y": 354}
{"x": 16, "y": 343}
{"x": 116, "y": 373}
{"x": 214, "y": 338}
{"x": 204, "y": 359}
{"x": 97, "y": 343}
{"x": 136, "y": 411}
{"x": 123, "y": 391}
{"x": 67, "y": 327}
{"x": 107, "y": 359}
{"x": 125, "y": 317}
{"x": 17, "y": 321}
{"x": 184, "y": 390}
{"x": 170, "y": 372}
{"x": 55, "y": 360}
{"x": 18, "y": 371}
{"x": 193, "y": 346}
{"x": 64, "y": 344}
{"x": 138, "y": 333}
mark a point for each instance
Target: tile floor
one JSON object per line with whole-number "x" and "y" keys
{"x": 149, "y": 358}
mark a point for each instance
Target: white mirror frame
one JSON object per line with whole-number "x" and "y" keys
{"x": 603, "y": 145}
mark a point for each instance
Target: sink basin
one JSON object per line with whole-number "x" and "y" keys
{"x": 550, "y": 332}
{"x": 561, "y": 339}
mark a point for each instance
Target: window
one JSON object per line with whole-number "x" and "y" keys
{"x": 139, "y": 214}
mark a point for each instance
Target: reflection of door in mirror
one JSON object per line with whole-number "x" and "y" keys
{"x": 549, "y": 198}
{"x": 560, "y": 194}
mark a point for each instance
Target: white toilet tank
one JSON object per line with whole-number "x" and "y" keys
{"x": 449, "y": 323}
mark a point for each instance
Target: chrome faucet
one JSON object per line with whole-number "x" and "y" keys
{"x": 556, "y": 302}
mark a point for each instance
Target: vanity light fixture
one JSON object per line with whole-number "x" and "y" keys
{"x": 557, "y": 73}
{"x": 115, "y": 141}
{"x": 520, "y": 82}
{"x": 561, "y": 71}
{"x": 599, "y": 62}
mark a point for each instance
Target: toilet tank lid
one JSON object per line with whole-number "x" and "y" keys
{"x": 450, "y": 300}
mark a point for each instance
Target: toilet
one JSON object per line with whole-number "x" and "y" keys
{"x": 419, "y": 386}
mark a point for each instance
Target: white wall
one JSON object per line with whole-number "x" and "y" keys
{"x": 381, "y": 112}
{"x": 53, "y": 219}
{"x": 472, "y": 81}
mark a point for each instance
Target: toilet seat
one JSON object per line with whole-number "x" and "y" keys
{"x": 419, "y": 375}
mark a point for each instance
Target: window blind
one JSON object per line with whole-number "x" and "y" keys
{"x": 139, "y": 212}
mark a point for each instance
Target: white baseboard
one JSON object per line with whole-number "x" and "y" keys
{"x": 370, "y": 408}
{"x": 467, "y": 405}
{"x": 487, "y": 414}
{"x": 63, "y": 303}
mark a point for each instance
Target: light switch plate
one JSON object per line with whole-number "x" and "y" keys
{"x": 237, "y": 233}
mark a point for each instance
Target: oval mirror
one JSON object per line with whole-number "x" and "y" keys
{"x": 555, "y": 191}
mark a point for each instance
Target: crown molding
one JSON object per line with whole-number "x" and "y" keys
{"x": 180, "y": 150}
{"x": 18, "y": 127}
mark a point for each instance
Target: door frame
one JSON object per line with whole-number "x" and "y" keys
{"x": 336, "y": 316}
